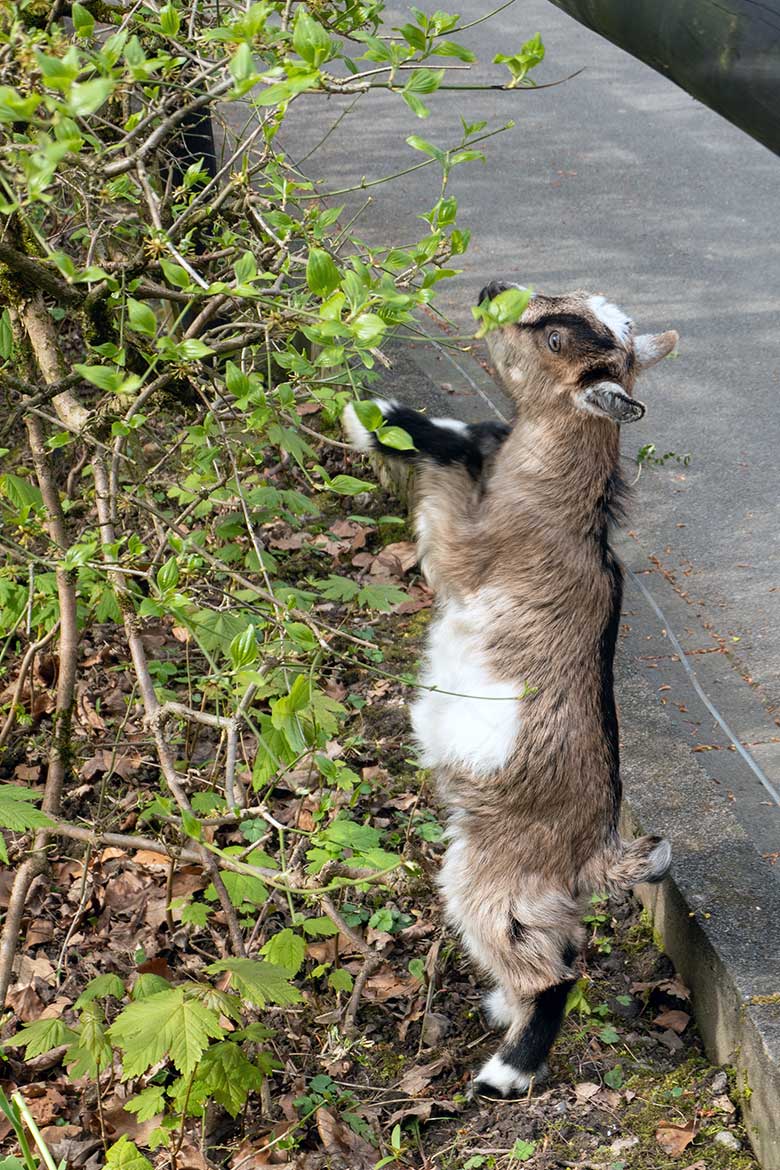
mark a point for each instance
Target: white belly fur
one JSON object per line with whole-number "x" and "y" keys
{"x": 477, "y": 727}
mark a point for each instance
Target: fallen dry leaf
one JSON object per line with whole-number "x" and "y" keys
{"x": 724, "y": 1103}
{"x": 420, "y": 1076}
{"x": 347, "y": 1149}
{"x": 677, "y": 1021}
{"x": 674, "y": 1139}
{"x": 386, "y": 984}
{"x": 45, "y": 1102}
{"x": 26, "y": 1002}
{"x": 585, "y": 1090}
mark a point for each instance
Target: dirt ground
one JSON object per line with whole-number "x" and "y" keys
{"x": 629, "y": 1087}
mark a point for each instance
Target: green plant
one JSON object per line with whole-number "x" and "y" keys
{"x": 168, "y": 320}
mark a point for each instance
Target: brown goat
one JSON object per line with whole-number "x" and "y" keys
{"x": 516, "y": 712}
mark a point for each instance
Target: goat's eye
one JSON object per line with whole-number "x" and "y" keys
{"x": 554, "y": 341}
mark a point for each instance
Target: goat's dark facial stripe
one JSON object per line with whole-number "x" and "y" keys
{"x": 580, "y": 328}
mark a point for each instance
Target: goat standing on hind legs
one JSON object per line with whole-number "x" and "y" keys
{"x": 517, "y": 714}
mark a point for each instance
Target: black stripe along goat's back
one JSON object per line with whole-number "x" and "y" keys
{"x": 516, "y": 715}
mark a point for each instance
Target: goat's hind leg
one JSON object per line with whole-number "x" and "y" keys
{"x": 534, "y": 968}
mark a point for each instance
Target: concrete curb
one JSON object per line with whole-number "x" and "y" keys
{"x": 718, "y": 912}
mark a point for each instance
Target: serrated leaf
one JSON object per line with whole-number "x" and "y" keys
{"x": 287, "y": 949}
{"x": 99, "y": 988}
{"x": 341, "y": 980}
{"x": 125, "y": 1155}
{"x": 259, "y": 982}
{"x": 319, "y": 927}
{"x": 165, "y": 1024}
{"x": 148, "y": 984}
{"x": 16, "y": 811}
{"x": 41, "y": 1036}
{"x": 369, "y": 414}
{"x": 148, "y": 1103}
{"x": 228, "y": 1076}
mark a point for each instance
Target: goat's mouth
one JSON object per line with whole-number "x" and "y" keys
{"x": 493, "y": 288}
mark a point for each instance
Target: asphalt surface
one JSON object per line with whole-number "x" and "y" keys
{"x": 619, "y": 182}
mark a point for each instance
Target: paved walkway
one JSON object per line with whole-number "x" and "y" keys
{"x": 619, "y": 182}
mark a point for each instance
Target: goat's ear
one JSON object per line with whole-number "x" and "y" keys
{"x": 610, "y": 401}
{"x": 651, "y": 347}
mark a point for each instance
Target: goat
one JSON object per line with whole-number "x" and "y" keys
{"x": 516, "y": 713}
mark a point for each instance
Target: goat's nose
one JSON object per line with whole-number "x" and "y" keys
{"x": 492, "y": 290}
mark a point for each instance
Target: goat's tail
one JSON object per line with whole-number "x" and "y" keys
{"x": 630, "y": 863}
{"x": 445, "y": 441}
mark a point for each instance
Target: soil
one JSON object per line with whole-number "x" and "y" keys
{"x": 629, "y": 1087}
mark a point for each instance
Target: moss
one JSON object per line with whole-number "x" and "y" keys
{"x": 675, "y": 1098}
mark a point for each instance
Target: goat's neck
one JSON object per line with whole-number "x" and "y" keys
{"x": 561, "y": 470}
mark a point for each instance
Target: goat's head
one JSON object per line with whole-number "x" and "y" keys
{"x": 574, "y": 353}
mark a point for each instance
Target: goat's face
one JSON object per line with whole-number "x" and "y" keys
{"x": 573, "y": 353}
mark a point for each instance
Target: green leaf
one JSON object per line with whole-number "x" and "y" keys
{"x": 88, "y": 96}
{"x": 147, "y": 1104}
{"x": 369, "y": 414}
{"x": 241, "y": 65}
{"x": 41, "y": 1036}
{"x": 243, "y": 648}
{"x": 381, "y": 597}
{"x": 196, "y": 914}
{"x": 259, "y": 982}
{"x": 99, "y": 988}
{"x": 148, "y": 984}
{"x": 395, "y": 437}
{"x": 504, "y": 309}
{"x": 428, "y": 148}
{"x": 227, "y": 1075}
{"x": 348, "y": 485}
{"x": 175, "y": 274}
{"x": 609, "y": 1035}
{"x": 340, "y": 980}
{"x": 125, "y": 1155}
{"x": 165, "y": 1024}
{"x": 322, "y": 275}
{"x": 6, "y": 335}
{"x": 368, "y": 328}
{"x": 351, "y": 835}
{"x": 424, "y": 81}
{"x": 320, "y": 927}
{"x": 286, "y": 949}
{"x": 170, "y": 20}
{"x": 614, "y": 1077}
{"x": 310, "y": 40}
{"x": 23, "y": 493}
{"x": 168, "y": 575}
{"x": 104, "y": 377}
{"x": 142, "y": 319}
{"x": 83, "y": 20}
{"x": 522, "y": 1151}
{"x": 336, "y": 588}
{"x": 17, "y": 811}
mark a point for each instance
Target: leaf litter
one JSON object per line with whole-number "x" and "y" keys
{"x": 632, "y": 1100}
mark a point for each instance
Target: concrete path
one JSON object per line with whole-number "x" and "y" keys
{"x": 621, "y": 183}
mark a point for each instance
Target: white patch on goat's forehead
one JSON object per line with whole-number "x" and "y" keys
{"x": 611, "y": 316}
